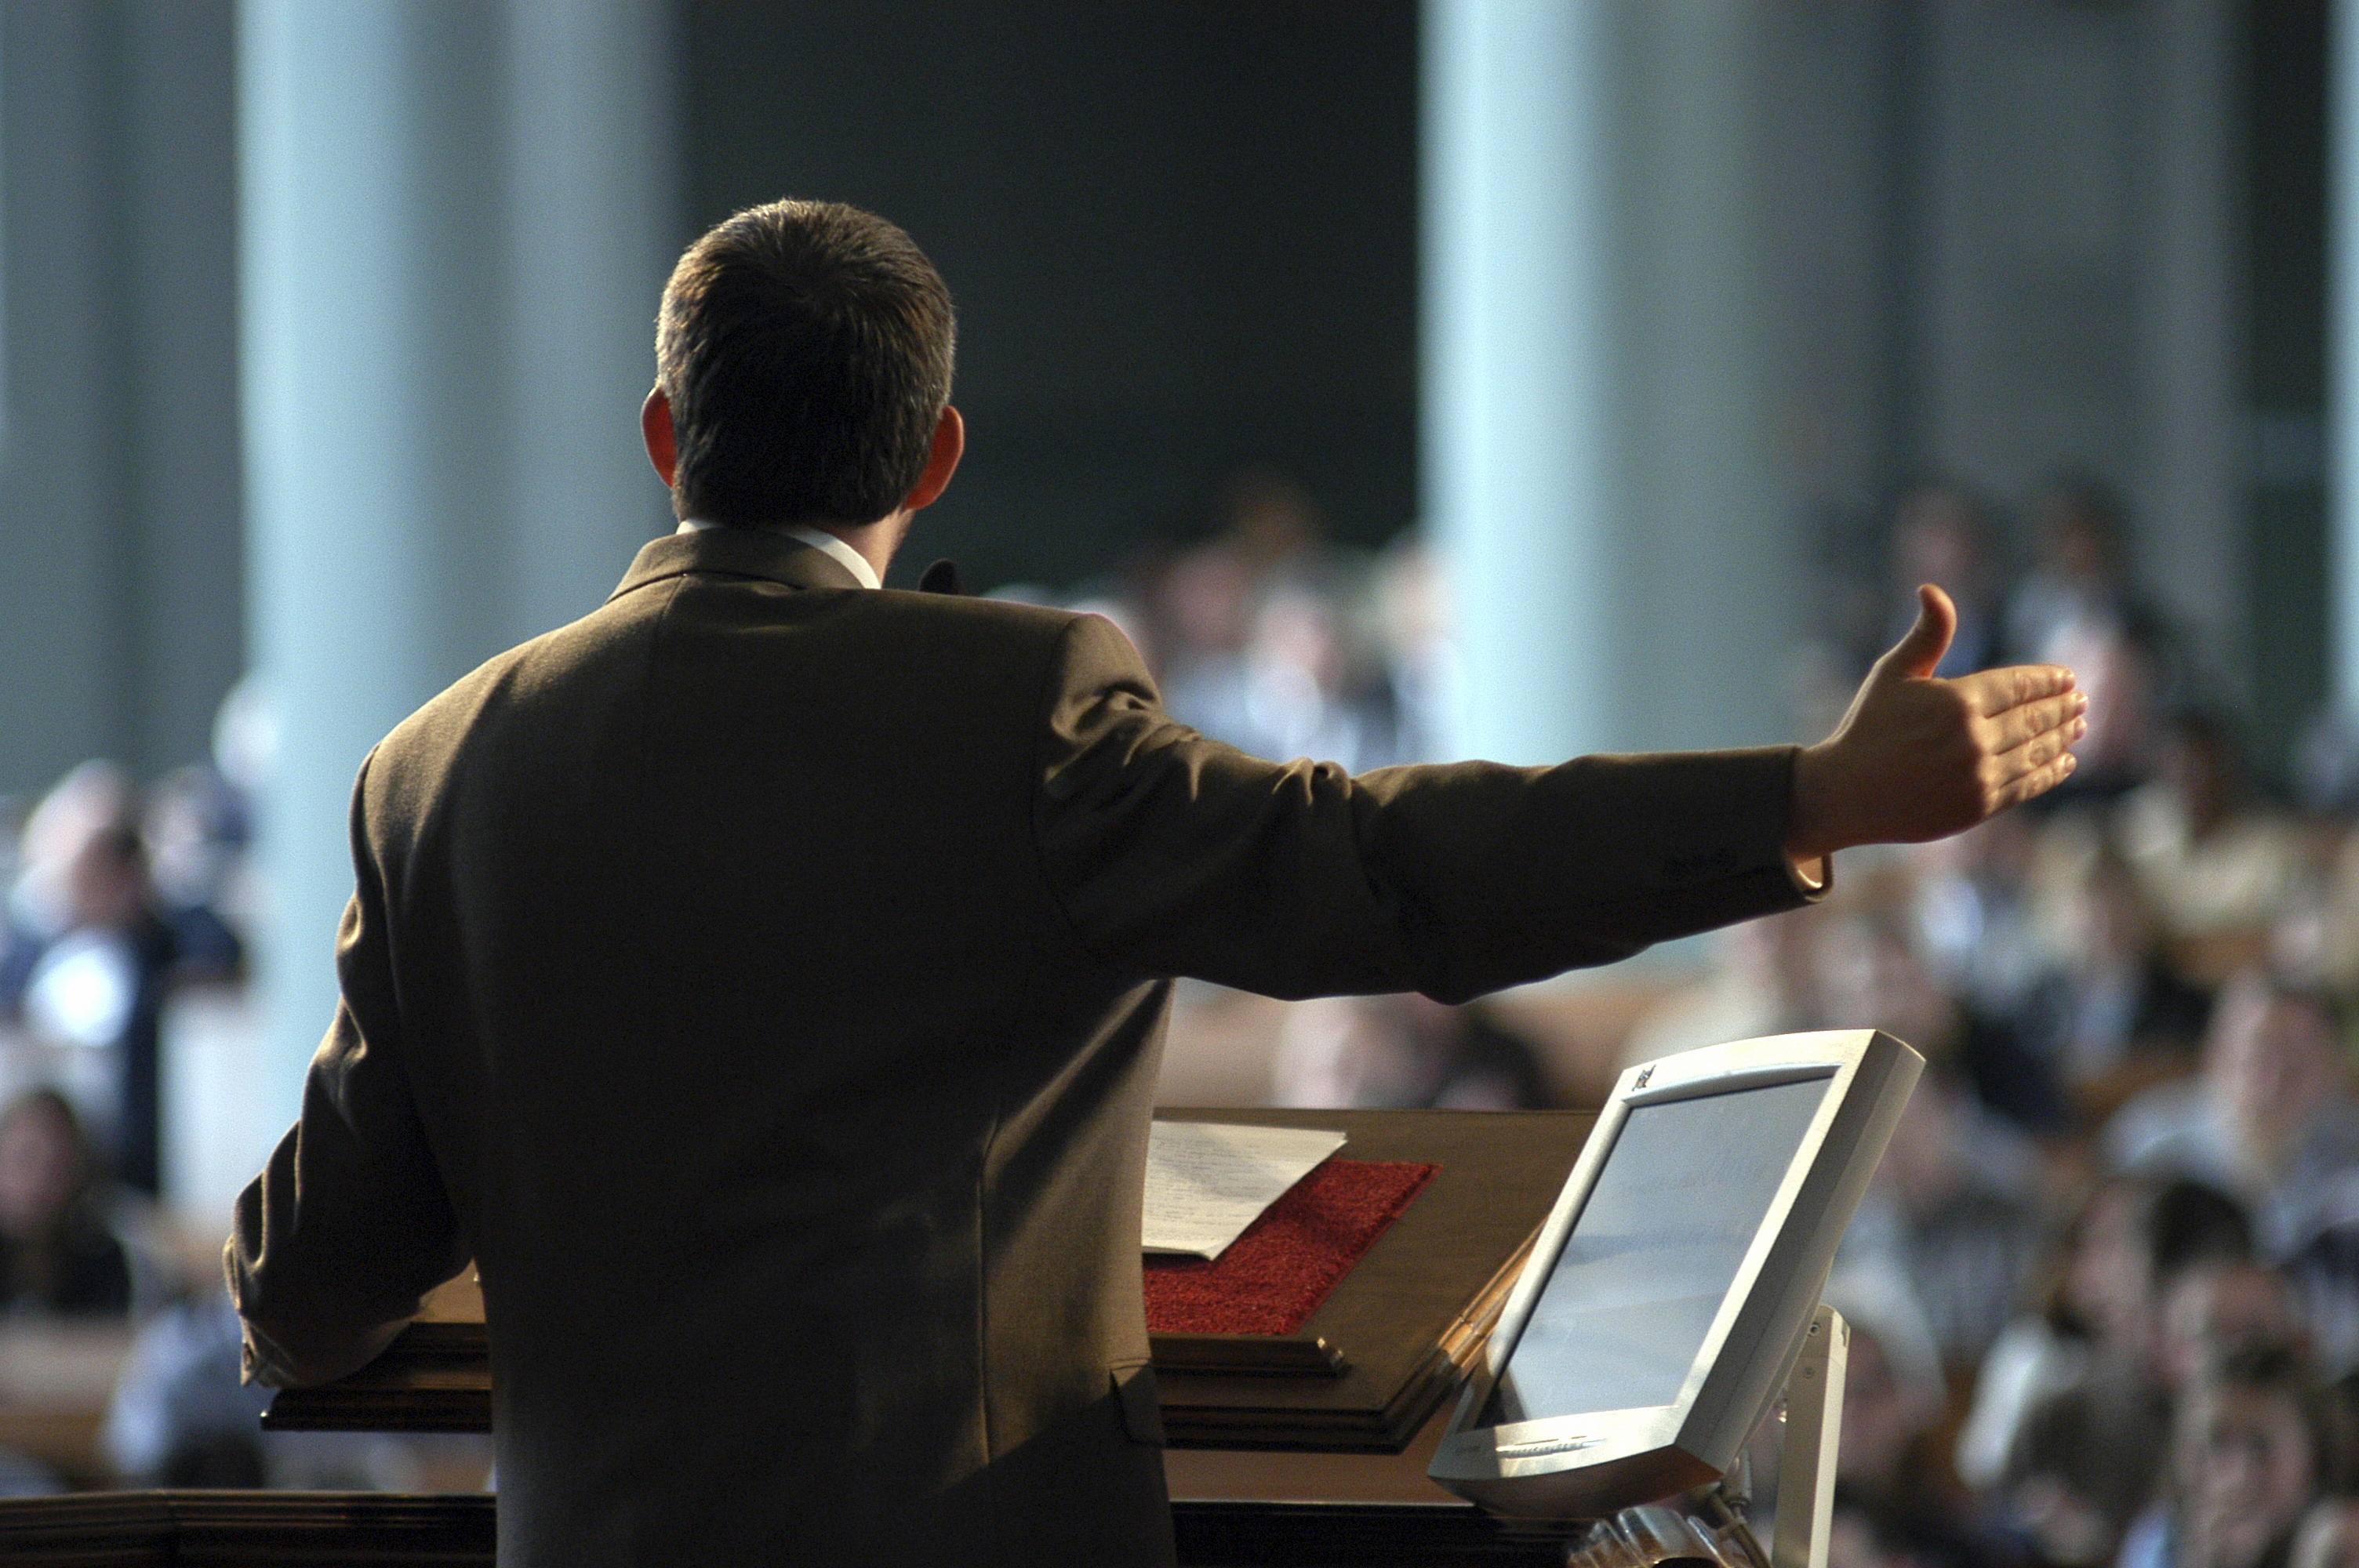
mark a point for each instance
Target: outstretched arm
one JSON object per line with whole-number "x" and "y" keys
{"x": 1917, "y": 757}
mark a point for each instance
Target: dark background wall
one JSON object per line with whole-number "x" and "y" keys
{"x": 1181, "y": 239}
{"x": 2282, "y": 98}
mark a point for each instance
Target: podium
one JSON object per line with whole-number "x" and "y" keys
{"x": 1371, "y": 1368}
{"x": 1372, "y": 1364}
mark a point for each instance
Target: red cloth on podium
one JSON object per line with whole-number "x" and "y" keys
{"x": 1272, "y": 1277}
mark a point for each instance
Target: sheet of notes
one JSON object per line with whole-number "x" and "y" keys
{"x": 1207, "y": 1181}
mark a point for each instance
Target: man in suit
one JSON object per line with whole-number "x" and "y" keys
{"x": 761, "y": 978}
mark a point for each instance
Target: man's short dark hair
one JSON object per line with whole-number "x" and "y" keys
{"x": 805, "y": 347}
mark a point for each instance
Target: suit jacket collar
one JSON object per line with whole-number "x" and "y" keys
{"x": 736, "y": 552}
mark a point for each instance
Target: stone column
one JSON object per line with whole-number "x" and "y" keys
{"x": 455, "y": 218}
{"x": 1594, "y": 424}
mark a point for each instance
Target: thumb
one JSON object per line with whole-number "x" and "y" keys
{"x": 1937, "y": 621}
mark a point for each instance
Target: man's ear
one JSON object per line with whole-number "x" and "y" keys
{"x": 941, "y": 461}
{"x": 654, "y": 428}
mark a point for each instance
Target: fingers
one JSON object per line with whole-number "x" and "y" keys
{"x": 2015, "y": 725}
{"x": 2038, "y": 782}
{"x": 1992, "y": 692}
{"x": 2035, "y": 766}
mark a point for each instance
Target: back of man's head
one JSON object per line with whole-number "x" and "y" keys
{"x": 804, "y": 348}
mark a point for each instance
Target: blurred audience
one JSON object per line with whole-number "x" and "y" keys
{"x": 1760, "y": 983}
{"x": 1402, "y": 1052}
{"x": 180, "y": 1415}
{"x": 1956, "y": 1211}
{"x": 2079, "y": 570}
{"x": 2270, "y": 1118}
{"x": 2217, "y": 867}
{"x": 2071, "y": 1403}
{"x": 2255, "y": 1441}
{"x": 58, "y": 1254}
{"x": 94, "y": 943}
{"x": 1270, "y": 638}
{"x": 1898, "y": 1503}
{"x": 2108, "y": 1015}
{"x": 2117, "y": 1231}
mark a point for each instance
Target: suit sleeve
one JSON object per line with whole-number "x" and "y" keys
{"x": 349, "y": 1226}
{"x": 1176, "y": 855}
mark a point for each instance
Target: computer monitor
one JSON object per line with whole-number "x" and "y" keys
{"x": 1671, "y": 1286}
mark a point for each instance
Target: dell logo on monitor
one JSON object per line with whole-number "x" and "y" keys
{"x": 1549, "y": 1446}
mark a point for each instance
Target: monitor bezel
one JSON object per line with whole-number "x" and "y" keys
{"x": 1587, "y": 1463}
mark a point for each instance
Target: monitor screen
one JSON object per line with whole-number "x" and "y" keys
{"x": 1682, "y": 1193}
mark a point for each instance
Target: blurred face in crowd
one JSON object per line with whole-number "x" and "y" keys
{"x": 1295, "y": 631}
{"x": 2109, "y": 1274}
{"x": 2245, "y": 1473}
{"x": 40, "y": 1168}
{"x": 2217, "y": 1309}
{"x": 107, "y": 883}
{"x": 1939, "y": 540}
{"x": 2075, "y": 541}
{"x": 2271, "y": 1063}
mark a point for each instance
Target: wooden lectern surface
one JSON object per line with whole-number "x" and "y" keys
{"x": 1405, "y": 1321}
{"x": 1414, "y": 1311}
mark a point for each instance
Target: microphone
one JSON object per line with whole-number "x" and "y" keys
{"x": 942, "y": 577}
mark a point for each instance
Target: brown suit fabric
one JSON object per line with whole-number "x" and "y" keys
{"x": 763, "y": 979}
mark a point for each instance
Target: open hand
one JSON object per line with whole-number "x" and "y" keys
{"x": 1919, "y": 758}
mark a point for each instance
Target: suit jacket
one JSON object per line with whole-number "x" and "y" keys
{"x": 763, "y": 980}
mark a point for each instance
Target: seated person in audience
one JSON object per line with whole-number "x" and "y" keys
{"x": 2217, "y": 866}
{"x": 2255, "y": 1441}
{"x": 1896, "y": 1496}
{"x": 2112, "y": 1017}
{"x": 1975, "y": 916}
{"x": 2071, "y": 1409}
{"x": 1871, "y": 969}
{"x": 179, "y": 1416}
{"x": 2271, "y": 1118}
{"x": 1956, "y": 1209}
{"x": 57, "y": 1253}
{"x": 2080, "y": 568}
{"x": 2221, "y": 1307}
{"x": 95, "y": 954}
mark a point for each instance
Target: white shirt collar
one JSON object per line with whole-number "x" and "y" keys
{"x": 819, "y": 539}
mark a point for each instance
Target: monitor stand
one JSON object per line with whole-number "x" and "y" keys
{"x": 1706, "y": 1529}
{"x": 1805, "y": 1468}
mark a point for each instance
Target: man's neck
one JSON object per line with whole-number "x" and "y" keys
{"x": 863, "y": 549}
{"x": 876, "y": 542}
